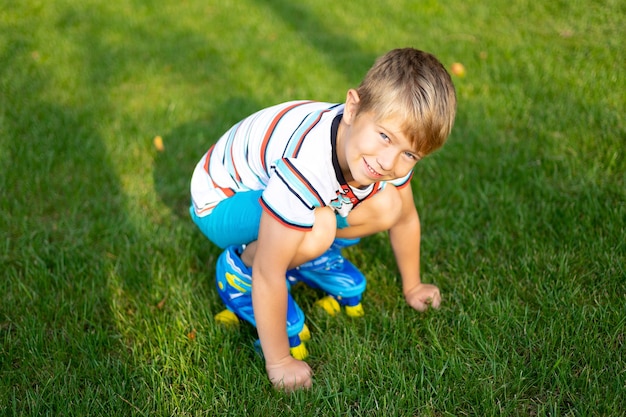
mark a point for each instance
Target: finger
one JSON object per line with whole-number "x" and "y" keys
{"x": 436, "y": 300}
{"x": 289, "y": 386}
{"x": 294, "y": 385}
{"x": 419, "y": 306}
{"x": 436, "y": 303}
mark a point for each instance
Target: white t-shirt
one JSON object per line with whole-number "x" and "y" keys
{"x": 287, "y": 150}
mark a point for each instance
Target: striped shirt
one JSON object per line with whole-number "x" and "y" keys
{"x": 288, "y": 151}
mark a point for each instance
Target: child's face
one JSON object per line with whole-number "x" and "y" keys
{"x": 376, "y": 150}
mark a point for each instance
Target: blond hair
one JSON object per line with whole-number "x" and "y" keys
{"x": 413, "y": 86}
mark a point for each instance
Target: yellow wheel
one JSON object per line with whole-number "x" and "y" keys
{"x": 305, "y": 334}
{"x": 355, "y": 311}
{"x": 329, "y": 304}
{"x": 227, "y": 318}
{"x": 299, "y": 352}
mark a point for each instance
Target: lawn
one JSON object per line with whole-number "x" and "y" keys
{"x": 107, "y": 288}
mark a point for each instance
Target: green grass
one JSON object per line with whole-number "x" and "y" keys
{"x": 104, "y": 277}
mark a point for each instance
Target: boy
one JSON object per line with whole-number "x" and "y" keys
{"x": 286, "y": 188}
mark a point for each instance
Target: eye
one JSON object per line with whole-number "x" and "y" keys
{"x": 385, "y": 137}
{"x": 411, "y": 156}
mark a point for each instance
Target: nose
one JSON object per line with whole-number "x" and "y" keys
{"x": 387, "y": 159}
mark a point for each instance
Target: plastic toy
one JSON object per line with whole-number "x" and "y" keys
{"x": 234, "y": 285}
{"x": 343, "y": 283}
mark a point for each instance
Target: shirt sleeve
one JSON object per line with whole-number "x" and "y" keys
{"x": 402, "y": 182}
{"x": 293, "y": 192}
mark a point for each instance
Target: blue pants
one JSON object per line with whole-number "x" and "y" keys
{"x": 236, "y": 220}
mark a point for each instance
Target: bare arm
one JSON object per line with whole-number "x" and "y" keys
{"x": 405, "y": 238}
{"x": 276, "y": 248}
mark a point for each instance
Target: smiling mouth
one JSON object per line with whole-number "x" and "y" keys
{"x": 371, "y": 170}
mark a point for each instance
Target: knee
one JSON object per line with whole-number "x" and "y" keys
{"x": 319, "y": 239}
{"x": 387, "y": 206}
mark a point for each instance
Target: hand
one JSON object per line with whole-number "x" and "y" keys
{"x": 423, "y": 296}
{"x": 289, "y": 374}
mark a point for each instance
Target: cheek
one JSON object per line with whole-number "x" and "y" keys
{"x": 404, "y": 167}
{"x": 360, "y": 146}
{"x": 371, "y": 144}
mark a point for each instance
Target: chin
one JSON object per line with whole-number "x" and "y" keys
{"x": 366, "y": 182}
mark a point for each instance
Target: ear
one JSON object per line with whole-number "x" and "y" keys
{"x": 352, "y": 106}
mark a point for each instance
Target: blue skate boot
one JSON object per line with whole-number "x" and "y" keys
{"x": 234, "y": 285}
{"x": 336, "y": 276}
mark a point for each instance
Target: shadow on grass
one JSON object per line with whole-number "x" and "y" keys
{"x": 327, "y": 39}
{"x": 74, "y": 264}
{"x": 64, "y": 216}
{"x": 184, "y": 146}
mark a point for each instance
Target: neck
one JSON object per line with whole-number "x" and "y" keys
{"x": 341, "y": 154}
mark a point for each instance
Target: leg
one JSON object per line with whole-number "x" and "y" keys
{"x": 315, "y": 242}
{"x": 374, "y": 215}
{"x": 234, "y": 286}
{"x": 338, "y": 277}
{"x": 233, "y": 223}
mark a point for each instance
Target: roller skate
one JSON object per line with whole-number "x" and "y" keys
{"x": 234, "y": 285}
{"x": 343, "y": 283}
